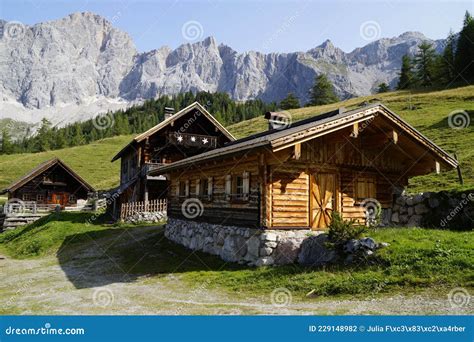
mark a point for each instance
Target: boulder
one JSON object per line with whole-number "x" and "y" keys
{"x": 395, "y": 218}
{"x": 253, "y": 245}
{"x": 352, "y": 246}
{"x": 266, "y": 251}
{"x": 265, "y": 261}
{"x": 286, "y": 252}
{"x": 268, "y": 237}
{"x": 368, "y": 243}
{"x": 314, "y": 252}
{"x": 421, "y": 209}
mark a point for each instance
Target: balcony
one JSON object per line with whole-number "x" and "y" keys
{"x": 192, "y": 140}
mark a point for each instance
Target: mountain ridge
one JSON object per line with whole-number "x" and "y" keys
{"x": 72, "y": 68}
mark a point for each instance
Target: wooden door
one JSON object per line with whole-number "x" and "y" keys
{"x": 323, "y": 199}
{"x": 60, "y": 198}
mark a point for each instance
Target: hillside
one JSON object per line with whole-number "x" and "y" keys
{"x": 428, "y": 112}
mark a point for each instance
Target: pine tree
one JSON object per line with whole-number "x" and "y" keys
{"x": 383, "y": 88}
{"x": 290, "y": 102}
{"x": 7, "y": 146}
{"x": 44, "y": 136}
{"x": 322, "y": 92}
{"x": 425, "y": 65}
{"x": 406, "y": 74}
{"x": 446, "y": 64}
{"x": 464, "y": 56}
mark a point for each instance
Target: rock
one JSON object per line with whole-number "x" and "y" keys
{"x": 403, "y": 210}
{"x": 433, "y": 202}
{"x": 286, "y": 252}
{"x": 266, "y": 261}
{"x": 383, "y": 244}
{"x": 313, "y": 251}
{"x": 415, "y": 221}
{"x": 396, "y": 208}
{"x": 253, "y": 245}
{"x": 220, "y": 238}
{"x": 352, "y": 246}
{"x": 395, "y": 218}
{"x": 271, "y": 244}
{"x": 421, "y": 209}
{"x": 410, "y": 201}
{"x": 410, "y": 211}
{"x": 368, "y": 243}
{"x": 266, "y": 251}
{"x": 400, "y": 201}
{"x": 403, "y": 219}
{"x": 418, "y": 198}
{"x": 268, "y": 237}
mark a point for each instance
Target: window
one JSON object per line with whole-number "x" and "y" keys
{"x": 39, "y": 198}
{"x": 183, "y": 189}
{"x": 72, "y": 199}
{"x": 238, "y": 186}
{"x": 26, "y": 197}
{"x": 365, "y": 188}
{"x": 204, "y": 189}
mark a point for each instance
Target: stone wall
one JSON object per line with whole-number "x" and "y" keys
{"x": 254, "y": 247}
{"x": 147, "y": 217}
{"x": 453, "y": 210}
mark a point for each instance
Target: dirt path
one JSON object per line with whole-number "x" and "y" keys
{"x": 42, "y": 287}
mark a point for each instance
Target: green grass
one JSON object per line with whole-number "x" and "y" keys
{"x": 416, "y": 259}
{"x": 46, "y": 235}
{"x": 429, "y": 115}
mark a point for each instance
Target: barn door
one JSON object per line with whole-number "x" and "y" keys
{"x": 323, "y": 199}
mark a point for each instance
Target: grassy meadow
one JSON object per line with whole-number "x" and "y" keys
{"x": 426, "y": 111}
{"x": 416, "y": 259}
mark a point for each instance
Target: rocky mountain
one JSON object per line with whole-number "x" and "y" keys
{"x": 73, "y": 68}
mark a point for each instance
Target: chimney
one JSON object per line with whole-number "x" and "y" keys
{"x": 278, "y": 120}
{"x": 169, "y": 111}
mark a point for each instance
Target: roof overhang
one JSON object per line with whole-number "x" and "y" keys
{"x": 168, "y": 121}
{"x": 280, "y": 140}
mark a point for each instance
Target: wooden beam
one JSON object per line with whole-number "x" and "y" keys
{"x": 297, "y": 151}
{"x": 355, "y": 130}
{"x": 394, "y": 136}
{"x": 437, "y": 167}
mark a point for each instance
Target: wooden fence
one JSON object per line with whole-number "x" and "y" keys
{"x": 129, "y": 209}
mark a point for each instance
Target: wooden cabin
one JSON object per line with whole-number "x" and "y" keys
{"x": 295, "y": 177}
{"x": 51, "y": 183}
{"x": 191, "y": 131}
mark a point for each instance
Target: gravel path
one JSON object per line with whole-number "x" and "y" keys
{"x": 41, "y": 286}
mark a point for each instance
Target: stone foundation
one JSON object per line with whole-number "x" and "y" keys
{"x": 255, "y": 247}
{"x": 453, "y": 210}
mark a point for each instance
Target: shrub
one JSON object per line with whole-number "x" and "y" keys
{"x": 341, "y": 231}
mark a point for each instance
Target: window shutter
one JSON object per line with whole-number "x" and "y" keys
{"x": 246, "y": 183}
{"x": 186, "y": 189}
{"x": 177, "y": 189}
{"x": 209, "y": 186}
{"x": 228, "y": 186}
{"x": 198, "y": 187}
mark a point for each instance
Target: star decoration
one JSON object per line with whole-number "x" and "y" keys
{"x": 204, "y": 141}
{"x": 193, "y": 139}
{"x": 180, "y": 138}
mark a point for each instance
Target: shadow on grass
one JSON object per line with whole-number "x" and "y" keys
{"x": 119, "y": 255}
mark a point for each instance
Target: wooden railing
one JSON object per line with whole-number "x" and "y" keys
{"x": 129, "y": 209}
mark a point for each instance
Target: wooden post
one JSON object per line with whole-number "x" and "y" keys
{"x": 355, "y": 130}
{"x": 458, "y": 168}
{"x": 297, "y": 151}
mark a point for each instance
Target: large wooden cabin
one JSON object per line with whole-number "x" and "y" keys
{"x": 191, "y": 131}
{"x": 51, "y": 183}
{"x": 295, "y": 177}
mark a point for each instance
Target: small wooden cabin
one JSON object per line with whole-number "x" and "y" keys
{"x": 50, "y": 183}
{"x": 295, "y": 177}
{"x": 191, "y": 131}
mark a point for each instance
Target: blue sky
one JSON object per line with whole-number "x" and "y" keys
{"x": 267, "y": 26}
